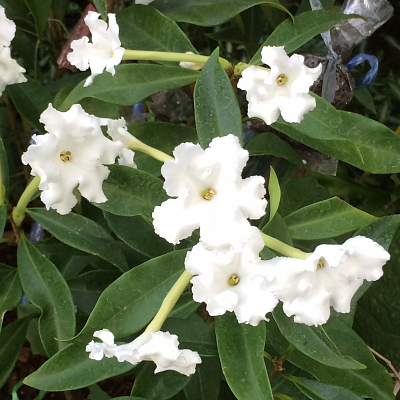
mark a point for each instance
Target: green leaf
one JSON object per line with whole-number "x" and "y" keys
{"x": 96, "y": 393}
{"x": 40, "y": 10}
{"x": 3, "y": 168}
{"x": 184, "y": 307}
{"x": 11, "y": 338}
{"x": 373, "y": 382}
{"x": 274, "y": 191}
{"x": 278, "y": 229}
{"x": 131, "y": 84}
{"x": 162, "y": 136}
{"x": 205, "y": 383}
{"x": 16, "y": 9}
{"x": 30, "y": 99}
{"x": 313, "y": 342}
{"x": 352, "y": 138}
{"x": 129, "y": 303}
{"x": 139, "y": 234}
{"x": 160, "y": 386}
{"x": 101, "y": 7}
{"x": 267, "y": 143}
{"x": 82, "y": 233}
{"x": 131, "y": 192}
{"x": 325, "y": 219}
{"x": 364, "y": 97}
{"x": 10, "y": 290}
{"x": 3, "y": 218}
{"x": 240, "y": 348}
{"x": 71, "y": 368}
{"x": 46, "y": 288}
{"x": 144, "y": 28}
{"x": 320, "y": 391}
{"x": 100, "y": 108}
{"x": 205, "y": 12}
{"x": 294, "y": 33}
{"x": 216, "y": 107}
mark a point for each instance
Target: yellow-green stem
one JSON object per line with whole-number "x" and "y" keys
{"x": 18, "y": 213}
{"x": 170, "y": 56}
{"x": 136, "y": 144}
{"x": 240, "y": 67}
{"x": 283, "y": 248}
{"x": 267, "y": 356}
{"x": 168, "y": 304}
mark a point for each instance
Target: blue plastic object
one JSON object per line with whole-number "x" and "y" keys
{"x": 373, "y": 62}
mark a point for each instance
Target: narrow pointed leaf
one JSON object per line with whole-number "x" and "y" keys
{"x": 274, "y": 192}
{"x": 40, "y": 10}
{"x": 10, "y": 290}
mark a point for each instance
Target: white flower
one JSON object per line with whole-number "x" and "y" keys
{"x": 10, "y": 71}
{"x": 118, "y": 131}
{"x": 282, "y": 90}
{"x": 330, "y": 276}
{"x": 232, "y": 283}
{"x": 159, "y": 347}
{"x": 7, "y": 29}
{"x": 191, "y": 65}
{"x": 145, "y": 2}
{"x": 104, "y": 52}
{"x": 71, "y": 154}
{"x": 211, "y": 195}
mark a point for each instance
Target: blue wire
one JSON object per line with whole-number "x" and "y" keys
{"x": 373, "y": 62}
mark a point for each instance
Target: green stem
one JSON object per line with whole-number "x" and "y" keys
{"x": 267, "y": 356}
{"x": 168, "y": 304}
{"x": 136, "y": 144}
{"x": 283, "y": 248}
{"x": 289, "y": 350}
{"x": 282, "y": 396}
{"x": 170, "y": 56}
{"x": 18, "y": 213}
{"x": 240, "y": 67}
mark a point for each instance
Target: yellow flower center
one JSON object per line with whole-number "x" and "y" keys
{"x": 321, "y": 263}
{"x": 281, "y": 79}
{"x": 208, "y": 194}
{"x": 65, "y": 156}
{"x": 233, "y": 280}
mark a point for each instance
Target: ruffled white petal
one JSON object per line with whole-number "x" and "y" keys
{"x": 103, "y": 53}
{"x": 79, "y": 134}
{"x": 269, "y": 96}
{"x": 10, "y": 71}
{"x": 7, "y": 29}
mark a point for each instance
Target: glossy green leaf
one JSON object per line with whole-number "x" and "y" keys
{"x": 373, "y": 382}
{"x": 267, "y": 143}
{"x": 240, "y": 348}
{"x": 11, "y": 338}
{"x": 3, "y": 218}
{"x": 315, "y": 390}
{"x": 205, "y": 383}
{"x": 161, "y": 386}
{"x": 40, "y": 10}
{"x": 131, "y": 192}
{"x": 30, "y": 99}
{"x": 131, "y": 84}
{"x": 325, "y": 219}
{"x": 294, "y": 33}
{"x": 162, "y": 136}
{"x": 184, "y": 307}
{"x": 3, "y": 167}
{"x": 46, "y": 288}
{"x": 205, "y": 12}
{"x": 144, "y": 28}
{"x": 364, "y": 97}
{"x": 16, "y": 9}
{"x": 101, "y": 7}
{"x": 139, "y": 234}
{"x": 274, "y": 191}
{"x": 313, "y": 342}
{"x": 81, "y": 233}
{"x": 216, "y": 107}
{"x": 10, "y": 290}
{"x": 71, "y": 368}
{"x": 96, "y": 393}
{"x": 129, "y": 303}
{"x": 349, "y": 137}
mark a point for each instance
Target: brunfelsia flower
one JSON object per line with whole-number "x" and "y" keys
{"x": 159, "y": 347}
{"x": 7, "y": 29}
{"x": 70, "y": 155}
{"x": 119, "y": 133}
{"x": 191, "y": 65}
{"x": 232, "y": 282}
{"x": 105, "y": 51}
{"x": 283, "y": 90}
{"x": 211, "y": 194}
{"x": 330, "y": 276}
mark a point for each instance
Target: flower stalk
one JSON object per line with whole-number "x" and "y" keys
{"x": 170, "y": 56}
{"x": 169, "y": 302}
{"x": 283, "y": 248}
{"x": 18, "y": 213}
{"x": 136, "y": 144}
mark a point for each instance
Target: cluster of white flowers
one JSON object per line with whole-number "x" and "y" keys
{"x": 10, "y": 71}
{"x": 72, "y": 155}
{"x": 159, "y": 347}
{"x": 229, "y": 274}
